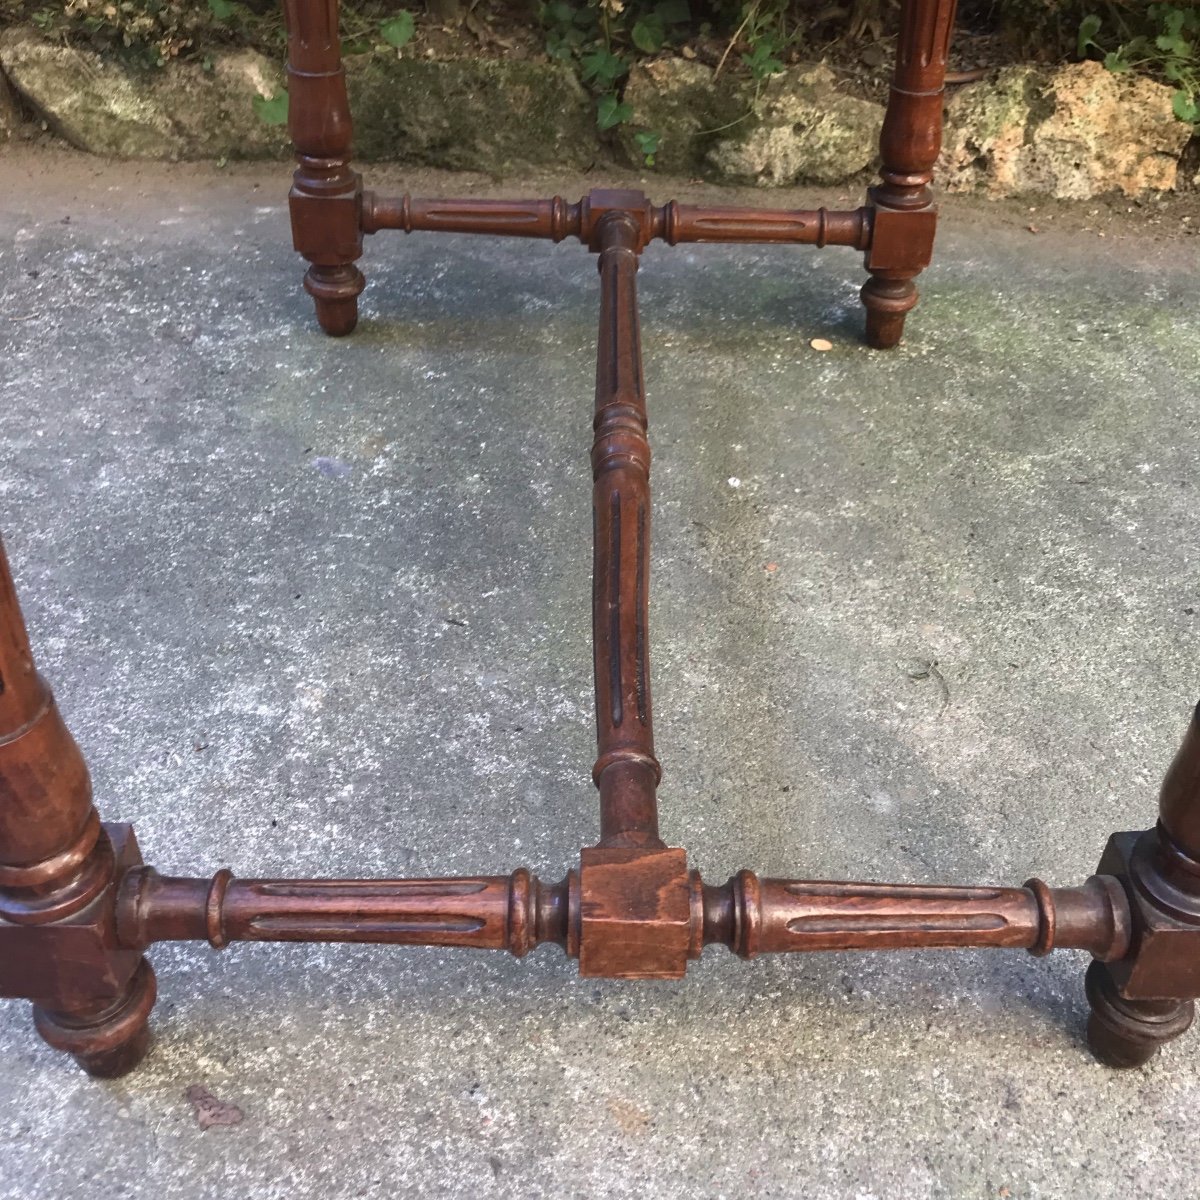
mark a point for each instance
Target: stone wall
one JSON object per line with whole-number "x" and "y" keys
{"x": 1072, "y": 132}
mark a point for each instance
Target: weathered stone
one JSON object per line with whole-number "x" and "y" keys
{"x": 183, "y": 111}
{"x": 1075, "y": 132}
{"x": 683, "y": 103}
{"x": 92, "y": 103}
{"x": 802, "y": 130}
{"x": 213, "y": 111}
{"x": 10, "y": 110}
{"x": 494, "y": 116}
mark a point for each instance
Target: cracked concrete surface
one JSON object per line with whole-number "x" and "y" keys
{"x": 320, "y": 607}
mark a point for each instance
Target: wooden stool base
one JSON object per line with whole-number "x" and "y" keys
{"x": 78, "y": 908}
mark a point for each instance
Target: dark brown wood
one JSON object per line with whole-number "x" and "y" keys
{"x": 78, "y": 907}
{"x": 497, "y": 912}
{"x": 673, "y": 222}
{"x": 58, "y": 874}
{"x": 326, "y": 195}
{"x": 331, "y": 212}
{"x": 779, "y": 916}
{"x": 626, "y": 771}
{"x": 1146, "y": 998}
{"x": 905, "y": 217}
{"x": 635, "y": 914}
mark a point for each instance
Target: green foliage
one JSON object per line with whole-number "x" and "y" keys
{"x": 273, "y": 111}
{"x": 648, "y": 142}
{"x": 765, "y": 30}
{"x": 399, "y": 30}
{"x": 603, "y": 69}
{"x": 600, "y": 38}
{"x": 610, "y": 111}
{"x": 1169, "y": 49}
{"x": 151, "y": 32}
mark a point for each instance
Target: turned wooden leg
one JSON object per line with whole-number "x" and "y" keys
{"x": 904, "y": 216}
{"x": 326, "y": 196}
{"x": 59, "y": 873}
{"x": 1145, "y": 999}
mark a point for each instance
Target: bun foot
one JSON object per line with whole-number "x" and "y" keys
{"x": 109, "y": 1039}
{"x": 887, "y": 302}
{"x": 335, "y": 291}
{"x": 1127, "y": 1033}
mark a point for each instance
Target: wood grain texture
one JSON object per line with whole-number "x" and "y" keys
{"x": 904, "y": 216}
{"x": 673, "y": 223}
{"x": 497, "y": 912}
{"x": 326, "y": 196}
{"x": 59, "y": 871}
{"x": 626, "y": 771}
{"x": 78, "y": 908}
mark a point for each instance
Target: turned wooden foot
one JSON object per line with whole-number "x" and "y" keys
{"x": 888, "y": 302}
{"x": 903, "y": 214}
{"x": 335, "y": 292}
{"x": 1145, "y": 998}
{"x": 1127, "y": 1033}
{"x": 108, "y": 1038}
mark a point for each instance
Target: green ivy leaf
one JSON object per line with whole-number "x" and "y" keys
{"x": 273, "y": 111}
{"x": 221, "y": 9}
{"x": 1088, "y": 28}
{"x": 1186, "y": 107}
{"x": 399, "y": 30}
{"x": 602, "y": 68}
{"x": 1172, "y": 19}
{"x": 610, "y": 111}
{"x": 648, "y": 34}
{"x": 762, "y": 61}
{"x": 648, "y": 142}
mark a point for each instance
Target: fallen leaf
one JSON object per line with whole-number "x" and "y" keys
{"x": 209, "y": 1110}
{"x": 821, "y": 344}
{"x": 629, "y": 1117}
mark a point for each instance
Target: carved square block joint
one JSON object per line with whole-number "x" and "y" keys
{"x": 635, "y": 914}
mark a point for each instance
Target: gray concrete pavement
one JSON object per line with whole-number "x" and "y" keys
{"x": 319, "y": 607}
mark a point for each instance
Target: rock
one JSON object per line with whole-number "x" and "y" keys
{"x": 10, "y": 110}
{"x": 495, "y": 116}
{"x": 470, "y": 114}
{"x": 183, "y": 111}
{"x": 90, "y": 102}
{"x": 212, "y": 112}
{"x": 803, "y": 130}
{"x": 681, "y": 101}
{"x": 1072, "y": 133}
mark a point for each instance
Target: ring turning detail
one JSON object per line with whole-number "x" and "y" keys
{"x": 79, "y": 909}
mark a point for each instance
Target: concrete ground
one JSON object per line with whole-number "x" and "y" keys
{"x": 320, "y": 607}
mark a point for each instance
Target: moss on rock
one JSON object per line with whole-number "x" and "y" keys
{"x": 105, "y": 107}
{"x": 470, "y": 114}
{"x": 803, "y": 130}
{"x": 687, "y": 106}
